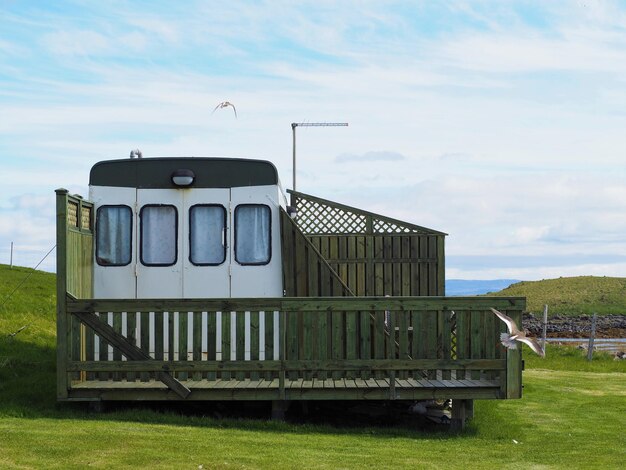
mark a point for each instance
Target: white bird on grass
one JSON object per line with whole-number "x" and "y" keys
{"x": 509, "y": 339}
{"x": 225, "y": 104}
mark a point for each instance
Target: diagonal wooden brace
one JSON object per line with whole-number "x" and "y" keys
{"x": 129, "y": 350}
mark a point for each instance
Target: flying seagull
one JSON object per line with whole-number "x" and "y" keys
{"x": 514, "y": 334}
{"x": 225, "y": 104}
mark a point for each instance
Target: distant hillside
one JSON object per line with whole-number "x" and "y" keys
{"x": 28, "y": 298}
{"x": 476, "y": 287}
{"x": 572, "y": 295}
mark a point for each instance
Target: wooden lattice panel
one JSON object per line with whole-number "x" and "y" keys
{"x": 72, "y": 214}
{"x": 383, "y": 226}
{"x": 316, "y": 218}
{"x": 85, "y": 218}
{"x": 321, "y": 217}
{"x": 453, "y": 336}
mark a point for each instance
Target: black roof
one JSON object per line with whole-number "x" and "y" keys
{"x": 157, "y": 172}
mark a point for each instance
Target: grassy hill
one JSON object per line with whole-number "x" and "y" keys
{"x": 572, "y": 295}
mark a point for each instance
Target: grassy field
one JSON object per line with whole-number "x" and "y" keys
{"x": 572, "y": 295}
{"x": 573, "y": 415}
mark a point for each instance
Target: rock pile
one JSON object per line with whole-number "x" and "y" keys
{"x": 607, "y": 326}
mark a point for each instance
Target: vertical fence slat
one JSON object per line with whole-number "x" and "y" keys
{"x": 240, "y": 336}
{"x": 476, "y": 336}
{"x": 211, "y": 334}
{"x": 183, "y": 341}
{"x": 131, "y": 334}
{"x": 197, "y": 342}
{"x": 254, "y": 341}
{"x": 226, "y": 342}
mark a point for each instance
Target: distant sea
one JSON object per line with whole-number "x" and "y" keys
{"x": 456, "y": 287}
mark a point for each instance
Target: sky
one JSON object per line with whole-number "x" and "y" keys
{"x": 502, "y": 124}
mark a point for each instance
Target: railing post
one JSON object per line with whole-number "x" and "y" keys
{"x": 282, "y": 326}
{"x": 592, "y": 336}
{"x": 514, "y": 366}
{"x": 62, "y": 316}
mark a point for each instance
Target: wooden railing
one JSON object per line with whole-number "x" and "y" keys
{"x": 429, "y": 339}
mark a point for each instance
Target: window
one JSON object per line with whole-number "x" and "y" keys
{"x": 207, "y": 240}
{"x": 113, "y": 235}
{"x": 252, "y": 234}
{"x": 159, "y": 229}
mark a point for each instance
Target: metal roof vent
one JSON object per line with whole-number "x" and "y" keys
{"x": 136, "y": 153}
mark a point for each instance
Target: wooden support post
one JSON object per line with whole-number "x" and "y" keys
{"x": 459, "y": 410}
{"x": 62, "y": 316}
{"x": 544, "y": 332}
{"x": 279, "y": 408}
{"x": 469, "y": 409}
{"x": 592, "y": 336}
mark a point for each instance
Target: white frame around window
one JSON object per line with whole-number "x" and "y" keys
{"x": 267, "y": 243}
{"x": 157, "y": 242}
{"x": 219, "y": 235}
{"x": 125, "y": 248}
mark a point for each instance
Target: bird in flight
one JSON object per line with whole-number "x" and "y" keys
{"x": 514, "y": 334}
{"x": 225, "y": 104}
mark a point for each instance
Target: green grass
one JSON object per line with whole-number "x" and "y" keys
{"x": 572, "y": 295}
{"x": 573, "y": 415}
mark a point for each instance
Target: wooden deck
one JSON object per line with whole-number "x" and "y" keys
{"x": 300, "y": 389}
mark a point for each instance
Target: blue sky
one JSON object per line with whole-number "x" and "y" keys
{"x": 500, "y": 123}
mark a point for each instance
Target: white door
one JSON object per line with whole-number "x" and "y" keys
{"x": 256, "y": 269}
{"x": 206, "y": 258}
{"x": 115, "y": 253}
{"x": 160, "y": 243}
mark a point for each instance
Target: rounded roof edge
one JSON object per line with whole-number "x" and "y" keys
{"x": 210, "y": 172}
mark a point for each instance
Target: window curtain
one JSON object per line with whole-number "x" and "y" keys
{"x": 206, "y": 229}
{"x": 158, "y": 235}
{"x": 113, "y": 235}
{"x": 252, "y": 234}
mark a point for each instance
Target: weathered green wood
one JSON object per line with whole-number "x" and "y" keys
{"x": 62, "y": 316}
{"x": 254, "y": 341}
{"x": 302, "y": 260}
{"x": 462, "y": 338}
{"x": 514, "y": 364}
{"x": 441, "y": 265}
{"x": 211, "y": 332}
{"x": 131, "y": 334}
{"x": 476, "y": 343}
{"x": 145, "y": 339}
{"x": 197, "y": 341}
{"x": 306, "y": 365}
{"x": 159, "y": 346}
{"x": 433, "y": 275}
{"x": 240, "y": 336}
{"x": 298, "y": 254}
{"x": 183, "y": 340}
{"x": 446, "y": 339}
{"x": 226, "y": 315}
{"x": 117, "y": 354}
{"x": 302, "y": 304}
{"x": 431, "y": 339}
{"x": 129, "y": 349}
{"x": 269, "y": 340}
{"x": 104, "y": 347}
{"x": 490, "y": 334}
{"x": 282, "y": 345}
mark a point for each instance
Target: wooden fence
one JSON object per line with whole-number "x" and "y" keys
{"x": 290, "y": 348}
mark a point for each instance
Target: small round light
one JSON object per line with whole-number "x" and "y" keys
{"x": 183, "y": 177}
